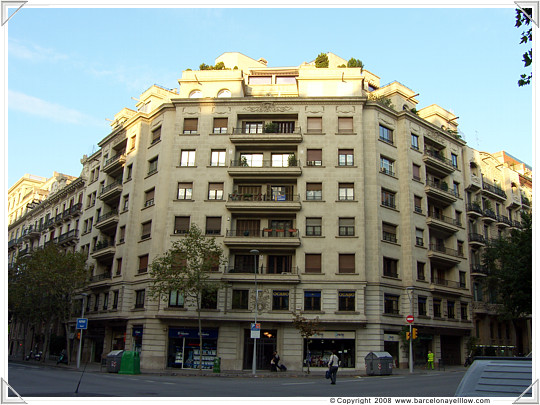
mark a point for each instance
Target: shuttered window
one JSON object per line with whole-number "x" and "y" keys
{"x": 314, "y": 125}
{"x": 213, "y": 225}
{"x": 215, "y": 191}
{"x": 314, "y": 157}
{"x": 146, "y": 230}
{"x": 156, "y": 135}
{"x": 181, "y": 225}
{"x": 346, "y": 263}
{"x": 143, "y": 264}
{"x": 190, "y": 125}
{"x": 220, "y": 125}
{"x": 313, "y": 263}
{"x": 345, "y": 125}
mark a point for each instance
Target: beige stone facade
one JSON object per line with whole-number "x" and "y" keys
{"x": 348, "y": 193}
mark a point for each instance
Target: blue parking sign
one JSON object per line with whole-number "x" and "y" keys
{"x": 82, "y": 323}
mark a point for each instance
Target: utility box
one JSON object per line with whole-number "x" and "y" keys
{"x": 217, "y": 364}
{"x": 113, "y": 361}
{"x": 131, "y": 363}
{"x": 379, "y": 363}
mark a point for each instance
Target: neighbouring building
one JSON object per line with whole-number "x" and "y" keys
{"x": 352, "y": 205}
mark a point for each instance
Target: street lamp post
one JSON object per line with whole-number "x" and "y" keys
{"x": 410, "y": 294}
{"x": 255, "y": 252}
{"x": 84, "y": 295}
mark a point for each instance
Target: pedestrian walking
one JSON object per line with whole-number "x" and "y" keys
{"x": 274, "y": 363}
{"x": 430, "y": 358}
{"x": 333, "y": 365}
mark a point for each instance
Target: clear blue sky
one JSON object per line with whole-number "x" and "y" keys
{"x": 70, "y": 68}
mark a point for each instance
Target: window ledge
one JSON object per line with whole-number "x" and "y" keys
{"x": 418, "y": 181}
{"x": 346, "y": 133}
{"x": 239, "y": 310}
{"x": 117, "y": 275}
{"x": 314, "y": 133}
{"x": 306, "y": 166}
{"x": 312, "y": 273}
{"x": 148, "y": 206}
{"x": 128, "y": 180}
{"x": 391, "y": 243}
{"x": 141, "y": 274}
{"x": 151, "y": 174}
{"x": 214, "y": 200}
{"x": 393, "y": 315}
{"x": 416, "y": 150}
{"x": 154, "y": 143}
{"x": 209, "y": 310}
{"x": 186, "y": 167}
{"x": 346, "y": 166}
{"x": 182, "y": 134}
{"x": 346, "y": 274}
{"x": 313, "y": 311}
{"x": 388, "y": 143}
{"x": 390, "y": 208}
{"x": 176, "y": 200}
{"x": 217, "y": 167}
{"x": 313, "y": 236}
{"x": 342, "y": 201}
{"x": 145, "y": 239}
{"x": 281, "y": 311}
{"x": 168, "y": 308}
{"x": 313, "y": 200}
{"x": 138, "y": 309}
{"x": 422, "y": 281}
{"x": 346, "y": 237}
{"x": 391, "y": 278}
{"x": 338, "y": 312}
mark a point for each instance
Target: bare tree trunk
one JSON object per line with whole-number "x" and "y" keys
{"x": 200, "y": 336}
{"x": 47, "y": 340}
{"x": 68, "y": 343}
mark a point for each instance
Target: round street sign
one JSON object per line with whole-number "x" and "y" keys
{"x": 410, "y": 318}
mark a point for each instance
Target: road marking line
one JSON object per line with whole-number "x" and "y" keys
{"x": 169, "y": 383}
{"x": 391, "y": 378}
{"x": 304, "y": 383}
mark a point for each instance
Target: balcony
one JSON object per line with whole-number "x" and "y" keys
{"x": 112, "y": 192}
{"x": 474, "y": 210}
{"x": 503, "y": 221}
{"x": 448, "y": 283}
{"x": 440, "y": 192}
{"x": 517, "y": 224}
{"x": 72, "y": 212}
{"x": 12, "y": 244}
{"x": 58, "y": 219}
{"x": 475, "y": 183}
{"x": 264, "y": 274}
{"x": 526, "y": 202}
{"x": 263, "y": 202}
{"x": 69, "y": 238}
{"x": 493, "y": 191}
{"x": 476, "y": 240}
{"x": 489, "y": 216}
{"x": 104, "y": 251}
{"x": 437, "y": 163}
{"x": 515, "y": 201}
{"x": 478, "y": 270}
{"x": 114, "y": 165}
{"x": 24, "y": 252}
{"x": 107, "y": 222}
{"x": 243, "y": 136}
{"x": 239, "y": 168}
{"x": 100, "y": 277}
{"x": 443, "y": 254}
{"x": 267, "y": 238}
{"x": 443, "y": 223}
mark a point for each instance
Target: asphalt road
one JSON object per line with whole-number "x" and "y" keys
{"x": 30, "y": 380}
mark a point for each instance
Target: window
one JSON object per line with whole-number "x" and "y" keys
{"x": 143, "y": 264}
{"x": 414, "y": 142}
{"x": 422, "y": 306}
{"x": 220, "y": 125}
{"x": 387, "y": 166}
{"x": 346, "y": 301}
{"x": 132, "y": 142}
{"x": 213, "y": 225}
{"x": 251, "y": 159}
{"x": 215, "y": 191}
{"x": 346, "y": 192}
{"x": 346, "y": 226}
{"x": 282, "y": 159}
{"x": 224, "y": 93}
{"x": 209, "y": 300}
{"x": 139, "y": 298}
{"x": 419, "y": 237}
{"x": 388, "y": 198}
{"x": 386, "y": 134}
{"x": 195, "y": 94}
{"x": 416, "y": 172}
{"x": 346, "y": 263}
{"x": 454, "y": 160}
{"x": 105, "y": 300}
{"x": 187, "y": 158}
{"x": 190, "y": 125}
{"x": 312, "y": 300}
{"x": 118, "y": 266}
{"x": 313, "y": 226}
{"x": 314, "y": 157}
{"x": 149, "y": 197}
{"x": 152, "y": 166}
{"x": 185, "y": 191}
{"x": 437, "y": 308}
{"x": 253, "y": 127}
{"x": 314, "y": 125}
{"x": 260, "y": 79}
{"x": 456, "y": 189}
{"x": 389, "y": 233}
{"x": 115, "y": 299}
{"x": 462, "y": 279}
{"x": 464, "y": 312}
{"x": 156, "y": 135}
{"x": 391, "y": 304}
{"x": 345, "y": 125}
{"x": 418, "y": 204}
{"x": 280, "y": 300}
{"x": 314, "y": 191}
{"x": 285, "y": 80}
{"x": 122, "y": 234}
{"x": 217, "y": 158}
{"x": 126, "y": 202}
{"x": 451, "y": 309}
{"x": 146, "y": 230}
{"x": 390, "y": 267}
{"x": 240, "y": 299}
{"x": 345, "y": 157}
{"x": 181, "y": 225}
{"x": 313, "y": 263}
{"x": 460, "y": 248}
{"x": 176, "y": 299}
{"x": 129, "y": 172}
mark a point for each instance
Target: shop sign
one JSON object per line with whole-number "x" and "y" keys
{"x": 137, "y": 331}
{"x": 388, "y": 337}
{"x": 192, "y": 333}
{"x": 329, "y": 334}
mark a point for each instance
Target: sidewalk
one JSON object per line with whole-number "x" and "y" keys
{"x": 315, "y": 373}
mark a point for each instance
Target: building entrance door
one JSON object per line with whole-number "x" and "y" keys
{"x": 266, "y": 346}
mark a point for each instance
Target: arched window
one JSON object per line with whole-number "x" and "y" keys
{"x": 224, "y": 93}
{"x": 195, "y": 94}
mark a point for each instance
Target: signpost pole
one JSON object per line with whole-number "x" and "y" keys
{"x": 410, "y": 294}
{"x": 84, "y": 295}
{"x": 255, "y": 252}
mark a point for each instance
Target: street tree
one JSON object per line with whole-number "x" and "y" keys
{"x": 307, "y": 328}
{"x": 509, "y": 264}
{"x": 526, "y": 36}
{"x": 43, "y": 285}
{"x": 186, "y": 269}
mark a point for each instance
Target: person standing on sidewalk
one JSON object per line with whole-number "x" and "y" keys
{"x": 333, "y": 365}
{"x": 430, "y": 358}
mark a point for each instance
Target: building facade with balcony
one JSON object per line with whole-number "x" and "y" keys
{"x": 498, "y": 188}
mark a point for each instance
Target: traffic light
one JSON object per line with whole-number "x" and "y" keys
{"x": 78, "y": 335}
{"x": 408, "y": 335}
{"x": 414, "y": 333}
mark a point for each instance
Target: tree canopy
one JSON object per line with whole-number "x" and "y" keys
{"x": 526, "y": 36}
{"x": 355, "y": 63}
{"x": 322, "y": 61}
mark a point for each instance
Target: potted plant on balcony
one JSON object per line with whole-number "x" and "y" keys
{"x": 292, "y": 160}
{"x": 444, "y": 186}
{"x": 243, "y": 162}
{"x": 271, "y": 128}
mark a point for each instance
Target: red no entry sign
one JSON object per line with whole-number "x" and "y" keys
{"x": 410, "y": 318}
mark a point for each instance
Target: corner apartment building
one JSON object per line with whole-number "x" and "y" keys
{"x": 498, "y": 189}
{"x": 354, "y": 201}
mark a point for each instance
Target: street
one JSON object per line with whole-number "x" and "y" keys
{"x": 41, "y": 381}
